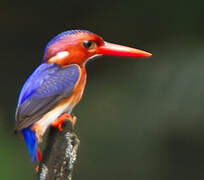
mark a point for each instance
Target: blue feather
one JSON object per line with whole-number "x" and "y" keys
{"x": 44, "y": 89}
{"x": 31, "y": 142}
{"x": 36, "y": 79}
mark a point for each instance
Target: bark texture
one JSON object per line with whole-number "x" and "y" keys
{"x": 60, "y": 154}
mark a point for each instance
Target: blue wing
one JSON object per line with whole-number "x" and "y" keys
{"x": 44, "y": 89}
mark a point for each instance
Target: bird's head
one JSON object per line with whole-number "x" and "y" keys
{"x": 78, "y": 46}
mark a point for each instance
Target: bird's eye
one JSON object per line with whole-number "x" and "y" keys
{"x": 88, "y": 44}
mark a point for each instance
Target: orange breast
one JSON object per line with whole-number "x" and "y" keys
{"x": 77, "y": 93}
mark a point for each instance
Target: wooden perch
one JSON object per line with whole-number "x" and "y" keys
{"x": 60, "y": 154}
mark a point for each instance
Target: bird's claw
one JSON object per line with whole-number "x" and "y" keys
{"x": 37, "y": 168}
{"x": 59, "y": 121}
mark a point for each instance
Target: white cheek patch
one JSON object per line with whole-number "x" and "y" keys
{"x": 60, "y": 55}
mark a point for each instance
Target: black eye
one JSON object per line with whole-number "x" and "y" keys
{"x": 87, "y": 44}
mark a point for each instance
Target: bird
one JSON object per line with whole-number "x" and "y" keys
{"x": 55, "y": 87}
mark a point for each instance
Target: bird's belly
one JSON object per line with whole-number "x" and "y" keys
{"x": 66, "y": 105}
{"x": 41, "y": 125}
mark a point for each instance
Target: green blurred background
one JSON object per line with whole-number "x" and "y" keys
{"x": 139, "y": 118}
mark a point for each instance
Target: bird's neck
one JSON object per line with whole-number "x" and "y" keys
{"x": 79, "y": 88}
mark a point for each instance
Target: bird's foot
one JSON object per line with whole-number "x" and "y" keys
{"x": 39, "y": 159}
{"x": 37, "y": 168}
{"x": 59, "y": 121}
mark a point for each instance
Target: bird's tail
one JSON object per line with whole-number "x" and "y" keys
{"x": 31, "y": 143}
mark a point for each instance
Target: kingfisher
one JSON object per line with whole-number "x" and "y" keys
{"x": 50, "y": 93}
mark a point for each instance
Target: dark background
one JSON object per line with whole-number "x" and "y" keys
{"x": 139, "y": 118}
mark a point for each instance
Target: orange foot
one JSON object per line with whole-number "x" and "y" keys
{"x": 37, "y": 168}
{"x": 59, "y": 121}
{"x": 39, "y": 159}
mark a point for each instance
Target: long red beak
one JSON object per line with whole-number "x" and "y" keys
{"x": 119, "y": 50}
